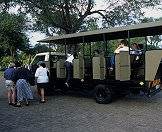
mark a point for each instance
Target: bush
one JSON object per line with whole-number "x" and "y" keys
{"x": 5, "y": 61}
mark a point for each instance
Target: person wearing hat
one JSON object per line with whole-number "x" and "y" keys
{"x": 9, "y": 76}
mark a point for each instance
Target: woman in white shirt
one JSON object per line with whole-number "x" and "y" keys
{"x": 42, "y": 80}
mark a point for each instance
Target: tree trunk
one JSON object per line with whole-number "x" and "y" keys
{"x": 12, "y": 52}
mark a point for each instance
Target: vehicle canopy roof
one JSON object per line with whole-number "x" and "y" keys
{"x": 52, "y": 53}
{"x": 138, "y": 30}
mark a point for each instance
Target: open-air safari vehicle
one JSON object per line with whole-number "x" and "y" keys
{"x": 92, "y": 73}
{"x": 43, "y": 57}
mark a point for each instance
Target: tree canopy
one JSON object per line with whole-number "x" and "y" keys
{"x": 12, "y": 37}
{"x": 68, "y": 16}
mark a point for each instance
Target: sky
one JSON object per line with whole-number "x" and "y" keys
{"x": 35, "y": 36}
{"x": 149, "y": 12}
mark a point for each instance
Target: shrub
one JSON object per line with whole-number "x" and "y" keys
{"x": 5, "y": 61}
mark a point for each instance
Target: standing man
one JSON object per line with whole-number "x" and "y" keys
{"x": 9, "y": 83}
{"x": 69, "y": 68}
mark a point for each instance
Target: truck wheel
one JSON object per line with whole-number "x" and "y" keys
{"x": 103, "y": 94}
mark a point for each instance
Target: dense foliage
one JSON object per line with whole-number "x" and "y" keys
{"x": 68, "y": 16}
{"x": 12, "y": 37}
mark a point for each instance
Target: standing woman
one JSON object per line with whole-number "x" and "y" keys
{"x": 42, "y": 80}
{"x": 23, "y": 89}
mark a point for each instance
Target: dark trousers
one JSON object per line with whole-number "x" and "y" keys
{"x": 69, "y": 71}
{"x": 112, "y": 61}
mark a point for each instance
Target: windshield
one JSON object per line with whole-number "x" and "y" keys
{"x": 55, "y": 58}
{"x": 38, "y": 58}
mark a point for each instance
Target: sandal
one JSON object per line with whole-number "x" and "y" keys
{"x": 27, "y": 104}
{"x": 42, "y": 101}
{"x": 16, "y": 105}
{"x": 9, "y": 103}
{"x": 13, "y": 104}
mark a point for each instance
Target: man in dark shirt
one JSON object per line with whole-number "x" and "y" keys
{"x": 9, "y": 76}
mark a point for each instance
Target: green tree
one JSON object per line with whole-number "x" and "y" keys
{"x": 90, "y": 24}
{"x": 5, "y": 61}
{"x": 153, "y": 41}
{"x": 126, "y": 12}
{"x": 12, "y": 37}
{"x": 70, "y": 16}
{"x": 38, "y": 48}
{"x": 67, "y": 16}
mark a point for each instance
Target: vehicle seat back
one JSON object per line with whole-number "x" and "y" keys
{"x": 78, "y": 68}
{"x": 60, "y": 68}
{"x": 122, "y": 66}
{"x": 99, "y": 67}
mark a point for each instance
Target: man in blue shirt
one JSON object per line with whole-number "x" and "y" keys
{"x": 9, "y": 76}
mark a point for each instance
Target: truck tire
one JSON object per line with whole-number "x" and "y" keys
{"x": 103, "y": 94}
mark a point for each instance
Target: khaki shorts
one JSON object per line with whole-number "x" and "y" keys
{"x": 9, "y": 84}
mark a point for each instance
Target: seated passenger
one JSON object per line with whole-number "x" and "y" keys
{"x": 123, "y": 46}
{"x": 140, "y": 46}
{"x": 96, "y": 53}
{"x": 136, "y": 49}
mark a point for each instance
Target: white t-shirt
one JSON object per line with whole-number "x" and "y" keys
{"x": 41, "y": 74}
{"x": 70, "y": 58}
{"x": 125, "y": 48}
{"x": 136, "y": 52}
